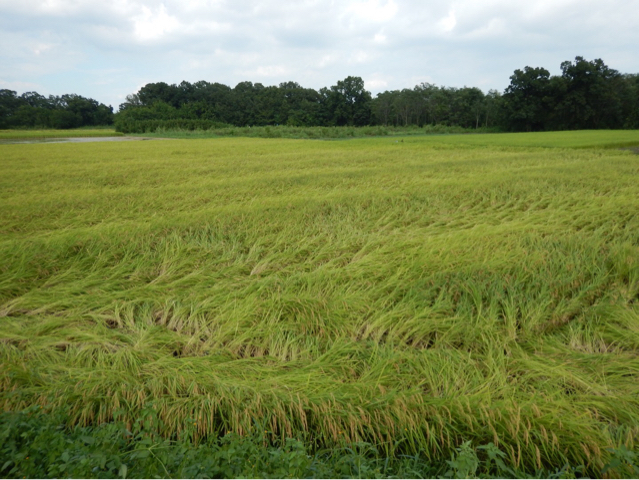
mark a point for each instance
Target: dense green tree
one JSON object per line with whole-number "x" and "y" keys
{"x": 407, "y": 106}
{"x": 587, "y": 95}
{"x": 468, "y": 107}
{"x": 27, "y": 116}
{"x": 271, "y": 108}
{"x": 67, "y": 111}
{"x": 65, "y": 119}
{"x": 493, "y": 108}
{"x": 88, "y": 110}
{"x": 592, "y": 98}
{"x": 219, "y": 98}
{"x": 245, "y": 104}
{"x": 35, "y": 100}
{"x": 301, "y": 104}
{"x": 429, "y": 104}
{"x": 526, "y": 99}
{"x": 9, "y": 104}
{"x": 131, "y": 101}
{"x": 348, "y": 103}
{"x": 197, "y": 110}
{"x": 631, "y": 101}
{"x": 427, "y": 95}
{"x": 160, "y": 92}
{"x": 382, "y": 108}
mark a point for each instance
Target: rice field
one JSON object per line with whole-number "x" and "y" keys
{"x": 415, "y": 293}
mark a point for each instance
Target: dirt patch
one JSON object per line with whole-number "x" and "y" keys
{"x": 634, "y": 150}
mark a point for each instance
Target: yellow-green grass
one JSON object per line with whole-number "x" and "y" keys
{"x": 44, "y": 134}
{"x": 567, "y": 139}
{"x": 412, "y": 293}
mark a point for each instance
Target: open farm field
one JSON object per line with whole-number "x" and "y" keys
{"x": 6, "y": 135}
{"x": 567, "y": 139}
{"x": 414, "y": 293}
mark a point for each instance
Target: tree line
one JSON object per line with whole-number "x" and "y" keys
{"x": 249, "y": 104}
{"x": 586, "y": 95}
{"x": 32, "y": 110}
{"x": 347, "y": 103}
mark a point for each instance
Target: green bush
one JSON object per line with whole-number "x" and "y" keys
{"x": 180, "y": 128}
{"x": 127, "y": 125}
{"x": 34, "y": 444}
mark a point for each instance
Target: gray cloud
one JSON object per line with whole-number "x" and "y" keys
{"x": 109, "y": 49}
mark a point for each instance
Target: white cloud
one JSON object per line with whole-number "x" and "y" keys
{"x": 18, "y": 86}
{"x": 448, "y": 23}
{"x": 380, "y": 38}
{"x": 376, "y": 84}
{"x": 325, "y": 61}
{"x": 373, "y": 10}
{"x": 271, "y": 71}
{"x": 359, "y": 56}
{"x": 153, "y": 24}
{"x": 42, "y": 48}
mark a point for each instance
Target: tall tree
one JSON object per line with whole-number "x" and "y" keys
{"x": 407, "y": 105}
{"x": 382, "y": 107}
{"x": 526, "y": 99}
{"x": 468, "y": 107}
{"x": 9, "y": 103}
{"x": 349, "y": 102}
{"x": 631, "y": 104}
{"x": 493, "y": 108}
{"x": 160, "y": 92}
{"x": 592, "y": 97}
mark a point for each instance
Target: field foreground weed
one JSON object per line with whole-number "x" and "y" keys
{"x": 412, "y": 294}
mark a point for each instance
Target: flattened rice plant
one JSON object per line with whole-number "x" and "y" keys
{"x": 414, "y": 295}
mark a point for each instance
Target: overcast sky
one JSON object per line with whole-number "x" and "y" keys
{"x": 108, "y": 49}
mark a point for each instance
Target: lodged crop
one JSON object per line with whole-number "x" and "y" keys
{"x": 413, "y": 294}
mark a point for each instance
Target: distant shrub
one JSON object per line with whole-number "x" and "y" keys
{"x": 207, "y": 128}
{"x": 126, "y": 125}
